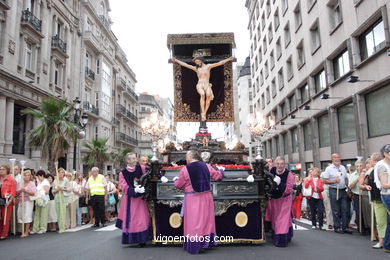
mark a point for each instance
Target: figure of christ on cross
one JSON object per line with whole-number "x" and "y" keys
{"x": 203, "y": 86}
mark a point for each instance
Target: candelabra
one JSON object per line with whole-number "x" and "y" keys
{"x": 258, "y": 128}
{"x": 157, "y": 129}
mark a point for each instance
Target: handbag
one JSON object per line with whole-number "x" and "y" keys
{"x": 111, "y": 199}
{"x": 306, "y": 192}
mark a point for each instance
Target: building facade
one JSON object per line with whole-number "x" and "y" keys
{"x": 303, "y": 54}
{"x": 67, "y": 50}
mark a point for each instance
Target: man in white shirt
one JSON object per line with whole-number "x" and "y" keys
{"x": 336, "y": 177}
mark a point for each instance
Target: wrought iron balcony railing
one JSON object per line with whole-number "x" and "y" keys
{"x": 28, "y": 17}
{"x": 91, "y": 108}
{"x": 127, "y": 139}
{"x": 89, "y": 73}
{"x": 56, "y": 42}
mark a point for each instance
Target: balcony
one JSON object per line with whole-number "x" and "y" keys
{"x": 4, "y": 4}
{"x": 122, "y": 137}
{"x": 105, "y": 21}
{"x": 121, "y": 83}
{"x": 131, "y": 116}
{"x": 91, "y": 41}
{"x": 59, "y": 46}
{"x": 131, "y": 93}
{"x": 115, "y": 121}
{"x": 31, "y": 23}
{"x": 89, "y": 73}
{"x": 120, "y": 109}
{"x": 88, "y": 107}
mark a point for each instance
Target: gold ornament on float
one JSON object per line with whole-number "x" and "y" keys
{"x": 175, "y": 220}
{"x": 241, "y": 219}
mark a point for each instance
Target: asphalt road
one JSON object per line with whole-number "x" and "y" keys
{"x": 91, "y": 243}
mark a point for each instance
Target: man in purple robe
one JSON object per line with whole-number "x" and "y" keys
{"x": 198, "y": 204}
{"x": 133, "y": 217}
{"x": 278, "y": 214}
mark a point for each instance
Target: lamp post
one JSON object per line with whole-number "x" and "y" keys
{"x": 258, "y": 128}
{"x": 156, "y": 128}
{"x": 80, "y": 118}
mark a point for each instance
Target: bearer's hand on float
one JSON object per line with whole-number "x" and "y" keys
{"x": 250, "y": 178}
{"x": 139, "y": 189}
{"x": 175, "y": 178}
{"x": 164, "y": 179}
{"x": 277, "y": 180}
{"x": 221, "y": 168}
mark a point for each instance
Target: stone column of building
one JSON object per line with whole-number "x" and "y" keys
{"x": 301, "y": 148}
{"x": 316, "y": 142}
{"x": 2, "y": 123}
{"x": 9, "y": 127}
{"x": 360, "y": 123}
{"x": 36, "y": 154}
{"x": 333, "y": 131}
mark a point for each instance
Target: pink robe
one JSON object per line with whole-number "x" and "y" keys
{"x": 279, "y": 213}
{"x": 199, "y": 218}
{"x": 138, "y": 230}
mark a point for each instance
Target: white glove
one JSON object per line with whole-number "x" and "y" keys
{"x": 164, "y": 179}
{"x": 139, "y": 189}
{"x": 175, "y": 178}
{"x": 250, "y": 178}
{"x": 221, "y": 168}
{"x": 277, "y": 180}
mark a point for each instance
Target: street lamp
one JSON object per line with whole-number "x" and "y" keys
{"x": 258, "y": 129}
{"x": 157, "y": 129}
{"x": 80, "y": 118}
{"x": 354, "y": 79}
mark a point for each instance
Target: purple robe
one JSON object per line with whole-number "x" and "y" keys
{"x": 199, "y": 218}
{"x": 279, "y": 212}
{"x": 133, "y": 217}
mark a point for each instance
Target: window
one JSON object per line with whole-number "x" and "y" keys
{"x": 294, "y": 140}
{"x": 272, "y": 60}
{"x": 346, "y": 121}
{"x": 278, "y": 49}
{"x": 106, "y": 91}
{"x": 29, "y": 56}
{"x": 268, "y": 98}
{"x": 300, "y": 55}
{"x": 287, "y": 35}
{"x": 310, "y": 4}
{"x": 268, "y": 7}
{"x": 320, "y": 81}
{"x": 293, "y": 102}
{"x": 273, "y": 88}
{"x": 276, "y": 19}
{"x": 298, "y": 16}
{"x": 335, "y": 16}
{"x": 372, "y": 40}
{"x": 89, "y": 26}
{"x": 266, "y": 69}
{"x": 257, "y": 86}
{"x": 265, "y": 44}
{"x": 281, "y": 79}
{"x": 284, "y": 6}
{"x": 305, "y": 95}
{"x": 263, "y": 21}
{"x": 307, "y": 135}
{"x": 277, "y": 145}
{"x": 378, "y": 107}
{"x": 323, "y": 131}
{"x": 262, "y": 101}
{"x": 270, "y": 34}
{"x": 256, "y": 64}
{"x": 261, "y": 78}
{"x": 260, "y": 55}
{"x": 255, "y": 43}
{"x": 285, "y": 143}
{"x": 258, "y": 31}
{"x": 19, "y": 130}
{"x": 57, "y": 74}
{"x": 87, "y": 60}
{"x": 341, "y": 64}
{"x": 315, "y": 37}
{"x": 283, "y": 110}
{"x": 289, "y": 67}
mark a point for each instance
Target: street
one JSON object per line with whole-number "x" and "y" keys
{"x": 104, "y": 243}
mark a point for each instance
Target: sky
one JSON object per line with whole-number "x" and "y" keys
{"x": 142, "y": 27}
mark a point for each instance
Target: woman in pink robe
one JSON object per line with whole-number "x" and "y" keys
{"x": 279, "y": 208}
{"x": 133, "y": 217}
{"x": 198, "y": 204}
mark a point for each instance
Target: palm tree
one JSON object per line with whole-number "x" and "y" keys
{"x": 53, "y": 135}
{"x": 119, "y": 159}
{"x": 97, "y": 153}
